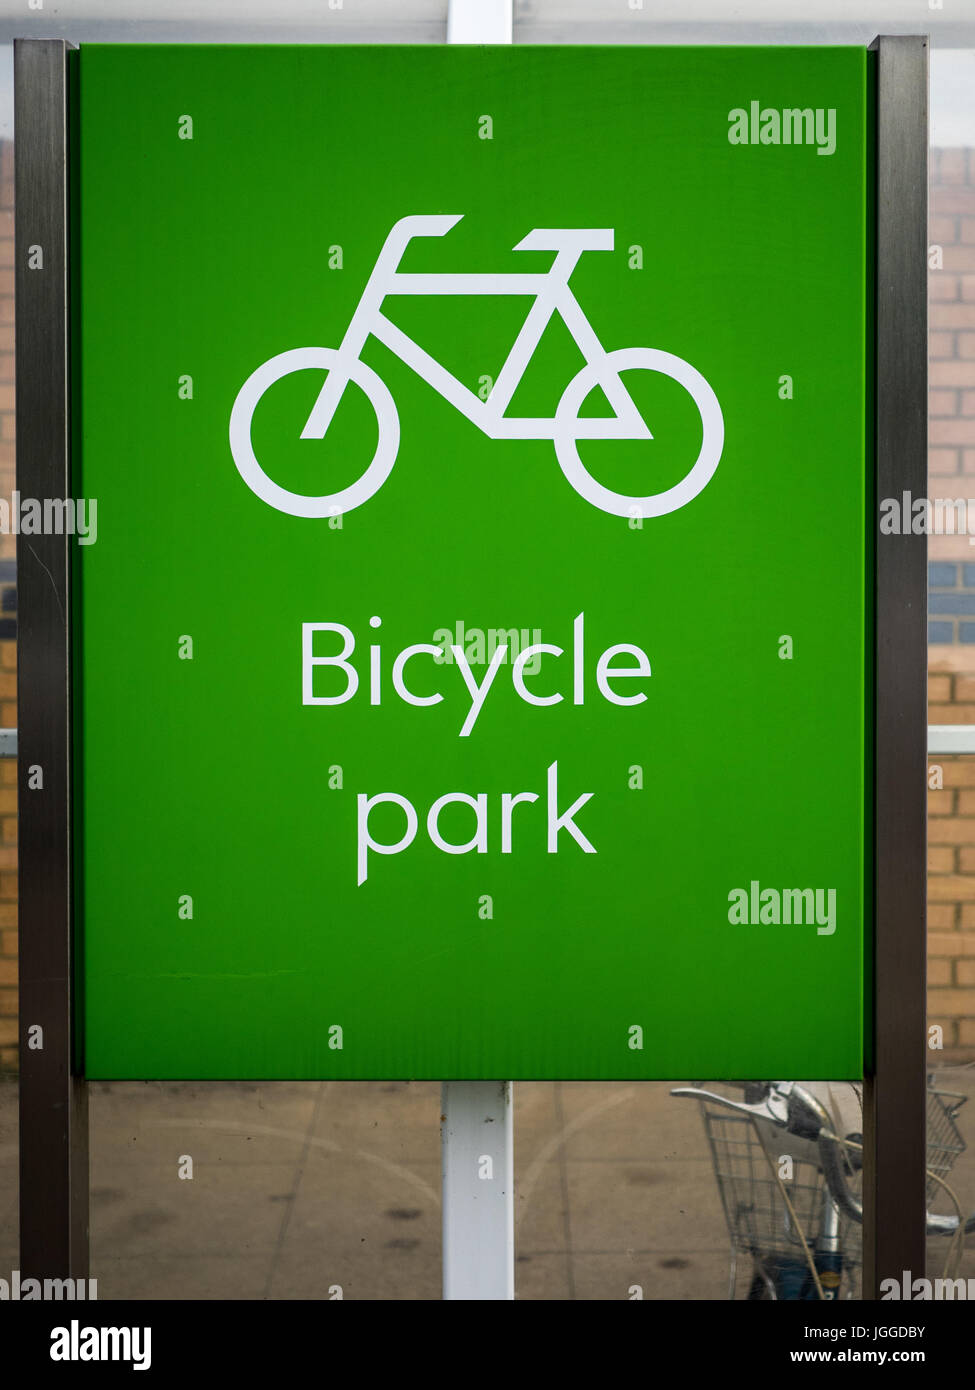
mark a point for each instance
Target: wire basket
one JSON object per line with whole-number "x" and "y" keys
{"x": 751, "y": 1156}
{"x": 944, "y": 1139}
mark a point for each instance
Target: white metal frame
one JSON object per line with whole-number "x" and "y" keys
{"x": 951, "y": 738}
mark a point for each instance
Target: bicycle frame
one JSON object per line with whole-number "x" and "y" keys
{"x": 552, "y": 295}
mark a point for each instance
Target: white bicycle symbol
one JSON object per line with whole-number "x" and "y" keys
{"x": 552, "y": 294}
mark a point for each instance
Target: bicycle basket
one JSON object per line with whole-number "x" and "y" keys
{"x": 747, "y": 1156}
{"x": 760, "y": 1224}
{"x": 944, "y": 1139}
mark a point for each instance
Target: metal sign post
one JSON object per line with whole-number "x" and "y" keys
{"x": 894, "y": 1151}
{"x": 53, "y": 1098}
{"x": 478, "y": 1198}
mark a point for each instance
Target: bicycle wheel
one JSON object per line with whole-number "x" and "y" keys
{"x": 567, "y": 436}
{"x": 297, "y": 503}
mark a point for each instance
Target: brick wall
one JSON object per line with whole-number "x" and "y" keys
{"x": 8, "y": 627}
{"x": 951, "y": 602}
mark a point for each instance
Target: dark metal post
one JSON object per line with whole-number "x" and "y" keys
{"x": 894, "y": 1160}
{"x": 53, "y": 1102}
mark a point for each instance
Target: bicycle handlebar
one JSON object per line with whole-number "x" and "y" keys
{"x": 790, "y": 1107}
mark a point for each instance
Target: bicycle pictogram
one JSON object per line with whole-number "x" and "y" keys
{"x": 552, "y": 295}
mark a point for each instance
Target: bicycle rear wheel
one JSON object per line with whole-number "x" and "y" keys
{"x": 567, "y": 434}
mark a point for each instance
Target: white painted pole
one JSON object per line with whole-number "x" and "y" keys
{"x": 477, "y": 1163}
{"x": 479, "y": 21}
{"x": 477, "y": 1138}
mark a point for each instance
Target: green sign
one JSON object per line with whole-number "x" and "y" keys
{"x": 472, "y": 659}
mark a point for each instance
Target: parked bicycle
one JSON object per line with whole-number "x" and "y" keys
{"x": 801, "y": 1230}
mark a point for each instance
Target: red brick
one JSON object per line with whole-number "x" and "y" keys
{"x": 951, "y": 315}
{"x": 959, "y": 260}
{"x": 939, "y": 344}
{"x": 941, "y": 859}
{"x": 957, "y": 431}
{"x": 951, "y": 714}
{"x": 966, "y": 344}
{"x": 941, "y": 918}
{"x": 940, "y": 973}
{"x": 952, "y": 202}
{"x": 952, "y": 166}
{"x": 966, "y": 860}
{"x": 952, "y": 373}
{"x": 951, "y": 887}
{"x": 954, "y": 1003}
{"x": 8, "y": 971}
{"x": 952, "y": 943}
{"x": 939, "y": 803}
{"x": 965, "y": 229}
{"x": 958, "y": 771}
{"x": 943, "y": 230}
{"x": 939, "y": 690}
{"x": 965, "y": 972}
{"x": 966, "y": 1032}
{"x": 942, "y": 288}
{"x": 939, "y": 402}
{"x": 956, "y": 830}
{"x": 943, "y": 463}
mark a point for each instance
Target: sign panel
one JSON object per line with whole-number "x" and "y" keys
{"x": 472, "y": 652}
